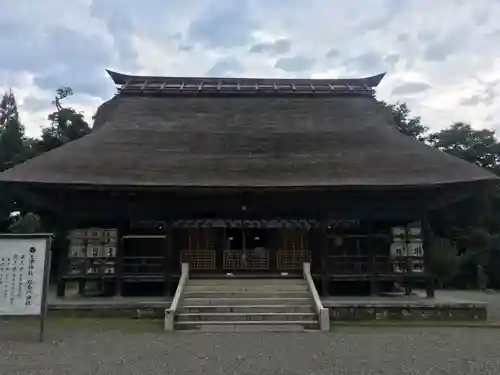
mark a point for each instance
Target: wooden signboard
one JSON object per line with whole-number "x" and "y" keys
{"x": 24, "y": 275}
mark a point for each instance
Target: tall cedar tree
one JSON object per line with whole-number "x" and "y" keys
{"x": 11, "y": 149}
{"x": 11, "y": 132}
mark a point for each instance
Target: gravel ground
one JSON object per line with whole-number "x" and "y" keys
{"x": 78, "y": 351}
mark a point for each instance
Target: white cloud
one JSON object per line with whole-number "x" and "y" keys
{"x": 441, "y": 56}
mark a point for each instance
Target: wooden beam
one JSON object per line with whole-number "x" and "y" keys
{"x": 129, "y": 81}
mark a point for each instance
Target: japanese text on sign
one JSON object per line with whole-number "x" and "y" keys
{"x": 22, "y": 262}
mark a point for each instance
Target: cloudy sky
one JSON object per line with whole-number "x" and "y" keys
{"x": 441, "y": 56}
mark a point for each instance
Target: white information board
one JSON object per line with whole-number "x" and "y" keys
{"x": 23, "y": 263}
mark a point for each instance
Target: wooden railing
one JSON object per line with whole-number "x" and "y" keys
{"x": 143, "y": 265}
{"x": 199, "y": 259}
{"x": 349, "y": 265}
{"x": 292, "y": 259}
{"x": 245, "y": 260}
{"x": 380, "y": 265}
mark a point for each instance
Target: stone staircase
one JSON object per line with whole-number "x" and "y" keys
{"x": 246, "y": 305}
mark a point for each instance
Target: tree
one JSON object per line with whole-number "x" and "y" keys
{"x": 11, "y": 149}
{"x": 476, "y": 146}
{"x": 11, "y": 132}
{"x": 66, "y": 124}
{"x": 475, "y": 219}
{"x": 411, "y": 126}
{"x": 443, "y": 260}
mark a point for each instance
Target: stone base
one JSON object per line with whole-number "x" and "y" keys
{"x": 406, "y": 308}
{"x": 396, "y": 308}
{"x": 110, "y": 309}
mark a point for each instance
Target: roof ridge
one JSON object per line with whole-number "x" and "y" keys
{"x": 241, "y": 85}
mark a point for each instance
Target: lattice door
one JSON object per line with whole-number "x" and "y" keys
{"x": 200, "y": 253}
{"x": 294, "y": 251}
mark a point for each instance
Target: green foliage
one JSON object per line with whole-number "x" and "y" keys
{"x": 476, "y": 146}
{"x": 11, "y": 148}
{"x": 11, "y": 131}
{"x": 405, "y": 123}
{"x": 444, "y": 260}
{"x": 476, "y": 221}
{"x": 66, "y": 125}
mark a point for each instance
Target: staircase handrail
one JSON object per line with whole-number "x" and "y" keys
{"x": 323, "y": 313}
{"x": 174, "y": 306}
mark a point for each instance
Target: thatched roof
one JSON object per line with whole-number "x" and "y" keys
{"x": 289, "y": 133}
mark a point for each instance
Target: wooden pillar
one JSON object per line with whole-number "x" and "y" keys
{"x": 168, "y": 258}
{"x": 426, "y": 233}
{"x": 373, "y": 264}
{"x": 122, "y": 229}
{"x": 223, "y": 246}
{"x": 63, "y": 243}
{"x": 325, "y": 271}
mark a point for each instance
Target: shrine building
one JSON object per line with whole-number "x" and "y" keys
{"x": 245, "y": 178}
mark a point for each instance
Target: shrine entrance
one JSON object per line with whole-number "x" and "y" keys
{"x": 239, "y": 248}
{"x": 247, "y": 250}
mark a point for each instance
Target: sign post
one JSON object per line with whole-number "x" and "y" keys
{"x": 24, "y": 275}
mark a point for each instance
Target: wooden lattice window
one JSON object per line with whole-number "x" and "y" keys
{"x": 292, "y": 259}
{"x": 199, "y": 259}
{"x": 246, "y": 259}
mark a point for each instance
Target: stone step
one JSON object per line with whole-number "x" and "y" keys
{"x": 247, "y": 288}
{"x": 232, "y": 281}
{"x": 244, "y": 309}
{"x": 243, "y": 301}
{"x": 248, "y": 326}
{"x": 246, "y": 294}
{"x": 245, "y": 317}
